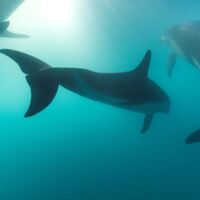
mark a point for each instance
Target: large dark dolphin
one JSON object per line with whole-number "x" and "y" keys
{"x": 193, "y": 137}
{"x": 7, "y": 7}
{"x": 183, "y": 41}
{"x": 130, "y": 90}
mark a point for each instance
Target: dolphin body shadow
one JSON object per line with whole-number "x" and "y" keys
{"x": 131, "y": 90}
{"x": 7, "y": 7}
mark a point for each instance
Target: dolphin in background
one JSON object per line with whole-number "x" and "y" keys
{"x": 183, "y": 41}
{"x": 131, "y": 90}
{"x": 193, "y": 137}
{"x": 7, "y": 7}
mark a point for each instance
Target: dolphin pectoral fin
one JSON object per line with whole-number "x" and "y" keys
{"x": 147, "y": 122}
{"x": 171, "y": 63}
{"x": 8, "y": 34}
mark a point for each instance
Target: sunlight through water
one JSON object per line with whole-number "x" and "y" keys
{"x": 59, "y": 11}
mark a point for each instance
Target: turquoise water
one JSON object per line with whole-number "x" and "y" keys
{"x": 78, "y": 149}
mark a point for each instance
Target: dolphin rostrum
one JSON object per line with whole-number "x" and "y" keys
{"x": 183, "y": 41}
{"x": 131, "y": 90}
{"x": 7, "y": 7}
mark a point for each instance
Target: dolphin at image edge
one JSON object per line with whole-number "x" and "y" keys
{"x": 7, "y": 7}
{"x": 184, "y": 41}
{"x": 130, "y": 90}
{"x": 5, "y": 33}
{"x": 193, "y": 137}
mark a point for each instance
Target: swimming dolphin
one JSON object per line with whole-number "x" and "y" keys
{"x": 7, "y": 7}
{"x": 131, "y": 90}
{"x": 193, "y": 138}
{"x": 183, "y": 41}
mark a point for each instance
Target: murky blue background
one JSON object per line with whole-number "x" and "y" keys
{"x": 78, "y": 149}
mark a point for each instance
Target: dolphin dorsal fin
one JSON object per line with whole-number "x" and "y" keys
{"x": 143, "y": 67}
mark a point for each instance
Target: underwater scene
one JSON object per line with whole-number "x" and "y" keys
{"x": 100, "y": 100}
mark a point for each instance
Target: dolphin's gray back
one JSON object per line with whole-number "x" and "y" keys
{"x": 129, "y": 87}
{"x": 7, "y": 7}
{"x": 126, "y": 88}
{"x": 121, "y": 88}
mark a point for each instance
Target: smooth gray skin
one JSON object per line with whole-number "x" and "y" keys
{"x": 127, "y": 90}
{"x": 193, "y": 138}
{"x": 183, "y": 41}
{"x": 7, "y": 7}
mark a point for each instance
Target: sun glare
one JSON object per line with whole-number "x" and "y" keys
{"x": 58, "y": 11}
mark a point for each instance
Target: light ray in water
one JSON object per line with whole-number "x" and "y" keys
{"x": 59, "y": 11}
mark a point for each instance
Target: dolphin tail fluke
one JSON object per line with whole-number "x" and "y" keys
{"x": 28, "y": 64}
{"x": 147, "y": 122}
{"x": 43, "y": 91}
{"x": 8, "y": 34}
{"x": 170, "y": 64}
{"x": 43, "y": 87}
